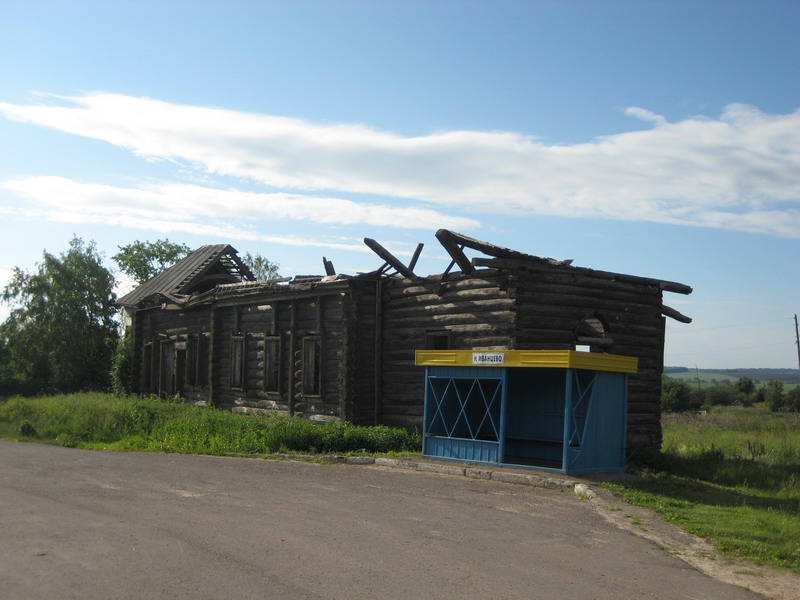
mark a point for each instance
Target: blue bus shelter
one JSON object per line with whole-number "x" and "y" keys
{"x": 556, "y": 410}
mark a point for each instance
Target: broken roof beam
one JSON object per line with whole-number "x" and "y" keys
{"x": 415, "y": 257}
{"x": 389, "y": 258}
{"x": 452, "y": 239}
{"x": 449, "y": 242}
{"x": 329, "y": 270}
{"x": 674, "y": 314}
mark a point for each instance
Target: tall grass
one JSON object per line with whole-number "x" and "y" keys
{"x": 153, "y": 424}
{"x": 732, "y": 476}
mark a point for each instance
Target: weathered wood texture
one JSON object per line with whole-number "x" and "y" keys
{"x": 528, "y": 310}
{"x": 343, "y": 348}
{"x": 473, "y": 311}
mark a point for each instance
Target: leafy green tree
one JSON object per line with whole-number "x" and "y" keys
{"x": 144, "y": 260}
{"x": 792, "y": 400}
{"x": 746, "y": 388}
{"x": 675, "y": 395}
{"x": 720, "y": 394}
{"x": 122, "y": 365}
{"x": 774, "y": 395}
{"x": 61, "y": 332}
{"x": 261, "y": 267}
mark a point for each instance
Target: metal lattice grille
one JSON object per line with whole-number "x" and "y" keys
{"x": 582, "y": 394}
{"x": 467, "y": 408}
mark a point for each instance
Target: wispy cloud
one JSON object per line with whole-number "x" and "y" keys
{"x": 740, "y": 171}
{"x": 177, "y": 204}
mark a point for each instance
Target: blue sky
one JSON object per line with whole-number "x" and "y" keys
{"x": 659, "y": 139}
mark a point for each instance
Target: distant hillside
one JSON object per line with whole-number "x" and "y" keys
{"x": 757, "y": 375}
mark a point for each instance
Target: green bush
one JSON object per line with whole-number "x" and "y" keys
{"x": 720, "y": 394}
{"x": 675, "y": 395}
{"x": 122, "y": 365}
{"x": 774, "y": 396}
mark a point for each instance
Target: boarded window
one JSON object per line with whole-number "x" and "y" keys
{"x": 311, "y": 366}
{"x": 147, "y": 367}
{"x": 179, "y": 368}
{"x": 237, "y": 362}
{"x": 203, "y": 359}
{"x": 272, "y": 364}
{"x": 192, "y": 357}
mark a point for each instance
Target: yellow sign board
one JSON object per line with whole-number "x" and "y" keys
{"x": 558, "y": 359}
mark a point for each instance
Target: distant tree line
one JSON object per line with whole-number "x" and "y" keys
{"x": 62, "y": 334}
{"x": 679, "y": 396}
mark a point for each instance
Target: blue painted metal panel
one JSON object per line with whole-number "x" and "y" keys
{"x": 467, "y": 450}
{"x": 603, "y": 436}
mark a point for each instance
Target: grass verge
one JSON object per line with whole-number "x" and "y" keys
{"x": 731, "y": 476}
{"x": 151, "y": 424}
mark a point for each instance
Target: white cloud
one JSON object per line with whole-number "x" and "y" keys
{"x": 183, "y": 207}
{"x": 740, "y": 171}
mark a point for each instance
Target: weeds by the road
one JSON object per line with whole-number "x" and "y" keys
{"x": 731, "y": 476}
{"x": 153, "y": 424}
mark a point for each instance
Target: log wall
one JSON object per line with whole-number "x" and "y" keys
{"x": 549, "y": 306}
{"x": 470, "y": 311}
{"x": 361, "y": 334}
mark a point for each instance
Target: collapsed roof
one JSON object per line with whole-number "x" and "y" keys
{"x": 217, "y": 270}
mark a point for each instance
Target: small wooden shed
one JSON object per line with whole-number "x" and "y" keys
{"x": 338, "y": 347}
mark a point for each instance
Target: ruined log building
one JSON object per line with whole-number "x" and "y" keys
{"x": 339, "y": 347}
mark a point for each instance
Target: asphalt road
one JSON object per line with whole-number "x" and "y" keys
{"x": 102, "y": 525}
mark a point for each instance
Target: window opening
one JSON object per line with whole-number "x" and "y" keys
{"x": 311, "y": 366}
{"x": 192, "y": 357}
{"x": 147, "y": 367}
{"x": 272, "y": 363}
{"x": 438, "y": 340}
{"x": 237, "y": 362}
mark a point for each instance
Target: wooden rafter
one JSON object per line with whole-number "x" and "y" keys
{"x": 390, "y": 258}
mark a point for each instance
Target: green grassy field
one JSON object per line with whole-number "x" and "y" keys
{"x": 731, "y": 476}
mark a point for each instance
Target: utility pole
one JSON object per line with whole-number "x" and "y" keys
{"x": 797, "y": 340}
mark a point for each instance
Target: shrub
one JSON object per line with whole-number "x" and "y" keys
{"x": 675, "y": 395}
{"x": 122, "y": 365}
{"x": 720, "y": 394}
{"x": 774, "y": 395}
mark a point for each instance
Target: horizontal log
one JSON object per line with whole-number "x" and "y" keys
{"x": 442, "y": 306}
{"x": 670, "y": 286}
{"x": 394, "y": 288}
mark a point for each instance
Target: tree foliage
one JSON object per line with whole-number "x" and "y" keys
{"x": 60, "y": 334}
{"x": 675, "y": 395}
{"x": 775, "y": 397}
{"x": 719, "y": 394}
{"x": 144, "y": 260}
{"x": 261, "y": 267}
{"x": 122, "y": 365}
{"x": 746, "y": 388}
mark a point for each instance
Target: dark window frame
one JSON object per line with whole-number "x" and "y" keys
{"x": 147, "y": 367}
{"x": 237, "y": 371}
{"x": 438, "y": 339}
{"x": 312, "y": 366}
{"x": 272, "y": 363}
{"x": 192, "y": 359}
